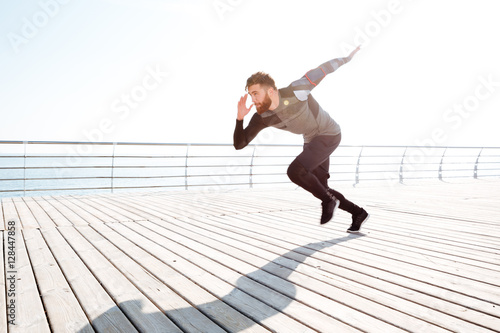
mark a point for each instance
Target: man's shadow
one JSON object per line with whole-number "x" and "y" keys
{"x": 268, "y": 285}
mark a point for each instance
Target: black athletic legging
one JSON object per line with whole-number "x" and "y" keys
{"x": 310, "y": 170}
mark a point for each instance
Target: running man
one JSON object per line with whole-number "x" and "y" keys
{"x": 295, "y": 110}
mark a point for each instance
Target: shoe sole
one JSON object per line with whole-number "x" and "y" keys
{"x": 360, "y": 226}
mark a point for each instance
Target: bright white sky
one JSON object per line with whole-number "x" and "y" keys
{"x": 428, "y": 72}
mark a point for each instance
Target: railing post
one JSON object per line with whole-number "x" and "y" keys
{"x": 440, "y": 175}
{"x": 251, "y": 167}
{"x": 186, "y": 167}
{"x": 356, "y": 180}
{"x": 477, "y": 162}
{"x": 25, "y": 144}
{"x": 113, "y": 169}
{"x": 401, "y": 166}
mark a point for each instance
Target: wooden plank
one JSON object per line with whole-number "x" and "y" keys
{"x": 409, "y": 252}
{"x": 474, "y": 249}
{"x": 28, "y": 221}
{"x": 63, "y": 309}
{"x": 81, "y": 213}
{"x": 467, "y": 253}
{"x": 183, "y": 314}
{"x": 142, "y": 212}
{"x": 125, "y": 209}
{"x": 365, "y": 267}
{"x": 258, "y": 311}
{"x": 410, "y": 243}
{"x": 443, "y": 226}
{"x": 138, "y": 308}
{"x": 429, "y": 259}
{"x": 427, "y": 256}
{"x": 83, "y": 204}
{"x": 169, "y": 204}
{"x": 70, "y": 215}
{"x": 391, "y": 229}
{"x": 218, "y": 311}
{"x": 320, "y": 259}
{"x": 3, "y": 286}
{"x": 389, "y": 224}
{"x": 43, "y": 219}
{"x": 108, "y": 202}
{"x": 103, "y": 313}
{"x": 103, "y": 208}
{"x": 453, "y": 200}
{"x": 201, "y": 205}
{"x": 271, "y": 272}
{"x": 244, "y": 278}
{"x": 29, "y": 311}
{"x": 482, "y": 264}
{"x": 365, "y": 286}
{"x": 59, "y": 219}
{"x": 10, "y": 212}
{"x": 461, "y": 284}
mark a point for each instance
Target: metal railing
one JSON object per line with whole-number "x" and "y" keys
{"x": 48, "y": 167}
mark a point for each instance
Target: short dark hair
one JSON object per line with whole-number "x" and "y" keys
{"x": 262, "y": 79}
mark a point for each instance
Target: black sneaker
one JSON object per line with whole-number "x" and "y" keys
{"x": 358, "y": 220}
{"x": 329, "y": 209}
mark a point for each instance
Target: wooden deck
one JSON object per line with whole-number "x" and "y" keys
{"x": 428, "y": 260}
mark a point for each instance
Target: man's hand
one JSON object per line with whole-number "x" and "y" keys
{"x": 354, "y": 52}
{"x": 242, "y": 108}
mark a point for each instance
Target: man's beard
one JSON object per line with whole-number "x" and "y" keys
{"x": 264, "y": 106}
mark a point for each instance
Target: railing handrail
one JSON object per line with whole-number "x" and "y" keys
{"x": 110, "y": 143}
{"x": 362, "y": 160}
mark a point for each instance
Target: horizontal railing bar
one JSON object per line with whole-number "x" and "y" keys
{"x": 161, "y": 177}
{"x": 209, "y": 166}
{"x": 58, "y": 156}
{"x": 220, "y": 156}
{"x": 415, "y": 178}
{"x": 229, "y": 175}
{"x": 94, "y": 167}
{"x": 90, "y": 188}
{"x": 141, "y": 144}
{"x": 57, "y": 167}
{"x": 212, "y": 166}
{"x": 61, "y": 178}
{"x": 222, "y": 165}
{"x": 136, "y": 187}
{"x": 124, "y": 156}
{"x": 228, "y": 144}
{"x": 200, "y": 185}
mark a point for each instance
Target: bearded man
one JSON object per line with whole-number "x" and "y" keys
{"x": 295, "y": 110}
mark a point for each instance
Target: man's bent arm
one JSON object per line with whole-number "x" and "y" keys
{"x": 242, "y": 137}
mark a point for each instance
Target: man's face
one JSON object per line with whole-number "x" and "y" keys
{"x": 260, "y": 97}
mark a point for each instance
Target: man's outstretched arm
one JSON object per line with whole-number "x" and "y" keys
{"x": 312, "y": 78}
